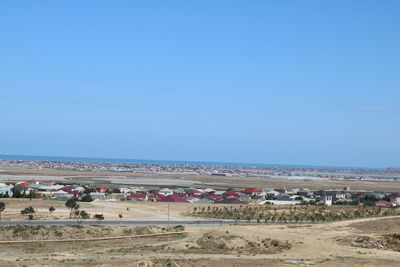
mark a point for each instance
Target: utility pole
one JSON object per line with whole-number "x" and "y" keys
{"x": 168, "y": 214}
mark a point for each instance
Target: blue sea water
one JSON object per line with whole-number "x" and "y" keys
{"x": 172, "y": 162}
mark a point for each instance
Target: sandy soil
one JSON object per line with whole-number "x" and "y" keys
{"x": 311, "y": 244}
{"x": 130, "y": 210}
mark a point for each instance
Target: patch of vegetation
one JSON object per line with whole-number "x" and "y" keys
{"x": 293, "y": 214}
{"x": 225, "y": 243}
{"x": 386, "y": 242}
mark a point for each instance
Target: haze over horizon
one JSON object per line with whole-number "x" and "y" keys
{"x": 275, "y": 82}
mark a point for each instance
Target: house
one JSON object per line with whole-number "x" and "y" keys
{"x": 166, "y": 192}
{"x": 74, "y": 192}
{"x": 284, "y": 197}
{"x": 173, "y": 198}
{"x": 21, "y": 186}
{"x": 47, "y": 182}
{"x": 383, "y": 204}
{"x": 219, "y": 193}
{"x": 395, "y": 199}
{"x": 208, "y": 190}
{"x": 193, "y": 192}
{"x": 98, "y": 195}
{"x": 100, "y": 188}
{"x": 251, "y": 191}
{"x": 271, "y": 193}
{"x": 67, "y": 188}
{"x": 35, "y": 186}
{"x": 139, "y": 196}
{"x": 214, "y": 197}
{"x": 231, "y": 194}
{"x": 305, "y": 193}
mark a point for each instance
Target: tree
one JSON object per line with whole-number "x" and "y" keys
{"x": 99, "y": 217}
{"x": 51, "y": 209}
{"x": 31, "y": 195}
{"x": 16, "y": 193}
{"x": 2, "y": 208}
{"x": 81, "y": 215}
{"x": 72, "y": 205}
{"x": 86, "y": 198}
{"x": 120, "y": 217}
{"x": 28, "y": 211}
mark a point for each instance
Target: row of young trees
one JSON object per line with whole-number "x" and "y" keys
{"x": 74, "y": 207}
{"x": 79, "y": 214}
{"x": 292, "y": 214}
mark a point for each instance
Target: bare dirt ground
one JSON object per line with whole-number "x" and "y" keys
{"x": 130, "y": 210}
{"x": 218, "y": 182}
{"x": 253, "y": 245}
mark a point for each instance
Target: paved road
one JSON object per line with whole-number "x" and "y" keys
{"x": 138, "y": 223}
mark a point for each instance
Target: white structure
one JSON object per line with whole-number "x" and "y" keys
{"x": 328, "y": 200}
{"x": 6, "y": 190}
{"x": 280, "y": 202}
{"x": 98, "y": 195}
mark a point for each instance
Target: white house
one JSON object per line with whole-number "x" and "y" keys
{"x": 166, "y": 192}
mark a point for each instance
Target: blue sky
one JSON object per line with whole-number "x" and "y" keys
{"x": 289, "y": 82}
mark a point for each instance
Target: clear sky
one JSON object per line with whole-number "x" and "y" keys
{"x": 289, "y": 82}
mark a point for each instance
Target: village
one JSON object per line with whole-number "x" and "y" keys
{"x": 87, "y": 192}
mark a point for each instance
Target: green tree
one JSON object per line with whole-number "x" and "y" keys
{"x": 86, "y": 198}
{"x": 72, "y": 205}
{"x": 28, "y": 211}
{"x": 51, "y": 210}
{"x": 99, "y": 217}
{"x": 81, "y": 215}
{"x": 2, "y": 208}
{"x": 31, "y": 195}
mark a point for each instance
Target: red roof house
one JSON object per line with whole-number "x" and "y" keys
{"x": 22, "y": 186}
{"x": 139, "y": 196}
{"x": 73, "y": 192}
{"x": 251, "y": 191}
{"x": 67, "y": 188}
{"x": 100, "y": 188}
{"x": 173, "y": 198}
{"x": 229, "y": 194}
{"x": 193, "y": 192}
{"x": 383, "y": 203}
